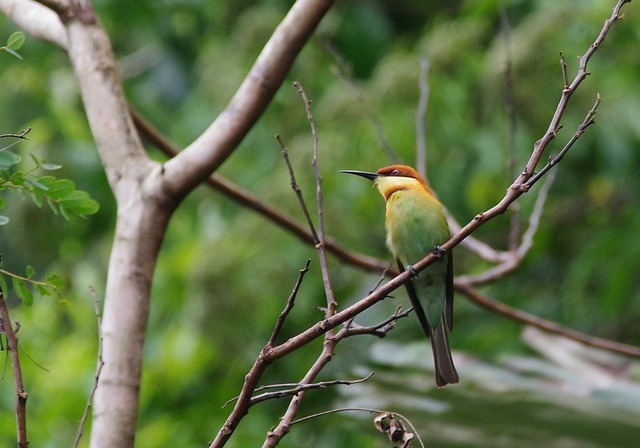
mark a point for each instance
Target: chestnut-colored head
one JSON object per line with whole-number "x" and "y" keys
{"x": 390, "y": 179}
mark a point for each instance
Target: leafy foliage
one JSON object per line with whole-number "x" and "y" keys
{"x": 60, "y": 195}
{"x": 24, "y": 286}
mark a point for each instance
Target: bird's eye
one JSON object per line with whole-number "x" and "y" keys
{"x": 395, "y": 172}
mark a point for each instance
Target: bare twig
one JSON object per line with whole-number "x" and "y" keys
{"x": 580, "y": 76}
{"x": 298, "y": 388}
{"x": 328, "y": 289}
{"x": 297, "y": 191}
{"x": 96, "y": 377}
{"x": 292, "y": 297}
{"x": 380, "y": 329}
{"x": 21, "y": 393}
{"x": 588, "y": 121}
{"x": 22, "y": 135}
{"x": 563, "y": 67}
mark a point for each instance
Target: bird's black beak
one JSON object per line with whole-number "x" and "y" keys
{"x": 368, "y": 175}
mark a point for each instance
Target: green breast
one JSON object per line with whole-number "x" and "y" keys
{"x": 415, "y": 225}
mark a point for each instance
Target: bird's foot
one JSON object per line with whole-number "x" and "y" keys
{"x": 414, "y": 273}
{"x": 439, "y": 251}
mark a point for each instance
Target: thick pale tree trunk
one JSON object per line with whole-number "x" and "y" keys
{"x": 141, "y": 222}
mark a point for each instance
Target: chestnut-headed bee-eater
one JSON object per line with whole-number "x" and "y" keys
{"x": 416, "y": 224}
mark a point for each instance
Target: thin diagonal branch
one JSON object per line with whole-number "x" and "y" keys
{"x": 320, "y": 247}
{"x": 297, "y": 191}
{"x": 298, "y": 388}
{"x": 37, "y": 20}
{"x": 252, "y": 202}
{"x": 289, "y": 306}
{"x": 379, "y": 330}
{"x": 192, "y": 166}
{"x": 588, "y": 121}
{"x": 21, "y": 393}
{"x": 580, "y": 76}
{"x": 96, "y": 377}
{"x": 546, "y": 325}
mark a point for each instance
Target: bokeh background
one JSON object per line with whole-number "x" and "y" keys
{"x": 224, "y": 272}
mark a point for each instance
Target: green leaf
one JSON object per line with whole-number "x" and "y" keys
{"x": 12, "y": 52}
{"x": 80, "y": 203}
{"x": 16, "y": 40}
{"x": 64, "y": 212}
{"x": 56, "y": 188}
{"x": 53, "y": 206}
{"x": 50, "y": 166}
{"x": 8, "y": 159}
{"x": 35, "y": 183}
{"x": 4, "y": 220}
{"x": 55, "y": 281}
{"x": 37, "y": 199}
{"x": 30, "y": 272}
{"x": 22, "y": 291}
{"x": 43, "y": 290}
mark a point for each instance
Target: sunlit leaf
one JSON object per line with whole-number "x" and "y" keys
{"x": 16, "y": 40}
{"x": 50, "y": 166}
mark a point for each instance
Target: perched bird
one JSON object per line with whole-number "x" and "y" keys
{"x": 416, "y": 224}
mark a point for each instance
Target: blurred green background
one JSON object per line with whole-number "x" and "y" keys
{"x": 224, "y": 272}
